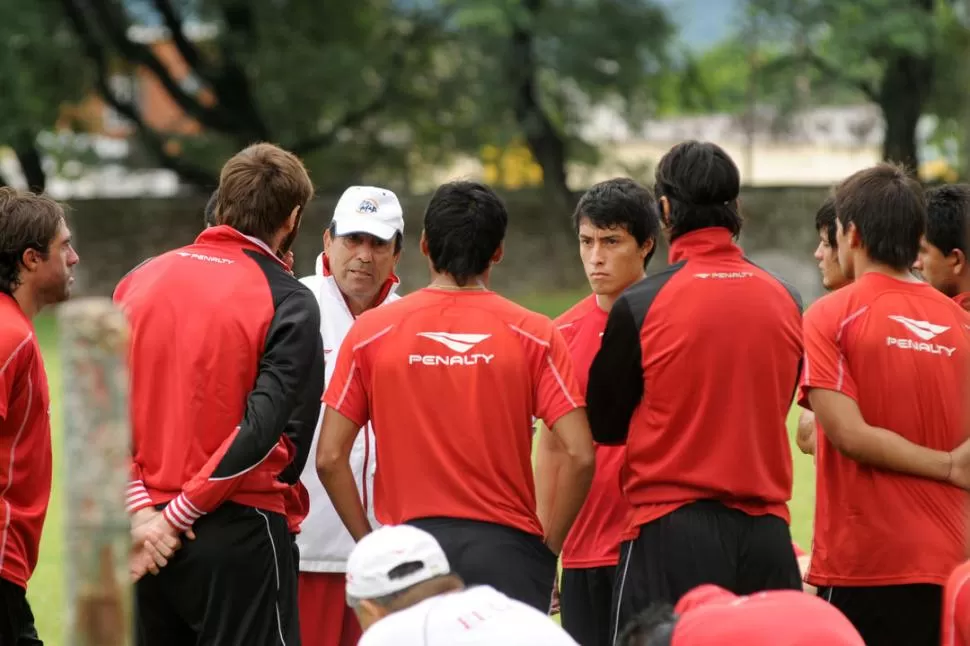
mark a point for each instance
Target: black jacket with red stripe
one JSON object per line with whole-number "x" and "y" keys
{"x": 227, "y": 372}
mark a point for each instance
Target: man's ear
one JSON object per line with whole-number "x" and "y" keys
{"x": 31, "y": 259}
{"x": 425, "y": 250}
{"x": 665, "y": 211}
{"x": 327, "y": 240}
{"x": 959, "y": 262}
{"x": 646, "y": 248}
{"x": 852, "y": 233}
{"x": 499, "y": 253}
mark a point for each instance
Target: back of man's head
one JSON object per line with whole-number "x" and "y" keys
{"x": 702, "y": 184}
{"x": 464, "y": 226}
{"x": 394, "y": 568}
{"x": 888, "y": 208}
{"x": 947, "y": 213}
{"x": 652, "y": 627}
{"x": 258, "y": 189}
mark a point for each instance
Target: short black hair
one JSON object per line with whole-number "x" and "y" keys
{"x": 825, "y": 221}
{"x": 651, "y": 627}
{"x": 621, "y": 202}
{"x": 888, "y": 207}
{"x": 947, "y": 212}
{"x": 702, "y": 183}
{"x": 464, "y": 225}
{"x": 210, "y": 209}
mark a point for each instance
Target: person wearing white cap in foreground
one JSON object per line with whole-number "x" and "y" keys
{"x": 401, "y": 587}
{"x": 354, "y": 273}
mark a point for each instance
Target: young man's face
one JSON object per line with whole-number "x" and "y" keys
{"x": 611, "y": 258}
{"x": 361, "y": 263}
{"x": 52, "y": 277}
{"x": 940, "y": 270}
{"x": 828, "y": 263}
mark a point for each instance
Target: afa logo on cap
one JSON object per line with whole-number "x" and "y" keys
{"x": 367, "y": 206}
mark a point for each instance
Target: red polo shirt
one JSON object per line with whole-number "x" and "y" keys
{"x": 594, "y": 539}
{"x": 450, "y": 381}
{"x": 900, "y": 350}
{"x": 25, "y": 444}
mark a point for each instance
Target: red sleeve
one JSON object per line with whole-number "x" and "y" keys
{"x": 15, "y": 351}
{"x": 825, "y": 363}
{"x": 346, "y": 393}
{"x": 557, "y": 390}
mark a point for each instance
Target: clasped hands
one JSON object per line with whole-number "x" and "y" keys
{"x": 154, "y": 541}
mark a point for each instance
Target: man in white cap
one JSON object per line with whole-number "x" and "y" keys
{"x": 401, "y": 587}
{"x": 354, "y": 273}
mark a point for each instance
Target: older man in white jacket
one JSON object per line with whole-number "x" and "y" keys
{"x": 354, "y": 273}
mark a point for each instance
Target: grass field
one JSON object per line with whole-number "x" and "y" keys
{"x": 46, "y": 593}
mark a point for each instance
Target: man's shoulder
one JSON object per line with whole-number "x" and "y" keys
{"x": 17, "y": 337}
{"x": 577, "y": 312}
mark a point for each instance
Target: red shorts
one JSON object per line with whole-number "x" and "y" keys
{"x": 325, "y": 617}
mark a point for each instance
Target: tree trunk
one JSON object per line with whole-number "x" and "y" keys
{"x": 31, "y": 164}
{"x": 904, "y": 91}
{"x": 545, "y": 143}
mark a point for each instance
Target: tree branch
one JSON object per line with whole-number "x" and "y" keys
{"x": 824, "y": 66}
{"x": 382, "y": 98}
{"x": 96, "y": 53}
{"x": 189, "y": 52}
{"x": 215, "y": 117}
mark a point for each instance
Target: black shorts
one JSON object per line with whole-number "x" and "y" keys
{"x": 703, "y": 542}
{"x": 234, "y": 584}
{"x": 513, "y": 562}
{"x": 585, "y": 599}
{"x": 891, "y": 615}
{"x": 16, "y": 619}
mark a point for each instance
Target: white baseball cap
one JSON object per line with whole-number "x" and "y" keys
{"x": 374, "y": 558}
{"x": 368, "y": 209}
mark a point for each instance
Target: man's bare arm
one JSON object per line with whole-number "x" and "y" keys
{"x": 844, "y": 426}
{"x": 550, "y": 458}
{"x": 575, "y": 476}
{"x": 337, "y": 435}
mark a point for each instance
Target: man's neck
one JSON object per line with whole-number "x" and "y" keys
{"x": 28, "y": 303}
{"x": 447, "y": 281}
{"x": 358, "y": 307}
{"x": 963, "y": 285}
{"x": 606, "y": 301}
{"x": 865, "y": 265}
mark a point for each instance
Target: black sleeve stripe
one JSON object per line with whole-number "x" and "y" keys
{"x": 616, "y": 383}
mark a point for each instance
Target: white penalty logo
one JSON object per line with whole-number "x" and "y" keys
{"x": 925, "y": 331}
{"x": 460, "y": 343}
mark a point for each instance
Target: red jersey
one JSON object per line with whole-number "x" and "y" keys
{"x": 595, "y": 537}
{"x": 450, "y": 381}
{"x": 963, "y": 300}
{"x": 712, "y": 616}
{"x": 956, "y": 608}
{"x": 899, "y": 349}
{"x": 25, "y": 444}
{"x": 696, "y": 374}
{"x": 226, "y": 366}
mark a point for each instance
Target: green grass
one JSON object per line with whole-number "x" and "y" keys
{"x": 47, "y": 587}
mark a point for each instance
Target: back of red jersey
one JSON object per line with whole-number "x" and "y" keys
{"x": 899, "y": 349}
{"x": 451, "y": 381}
